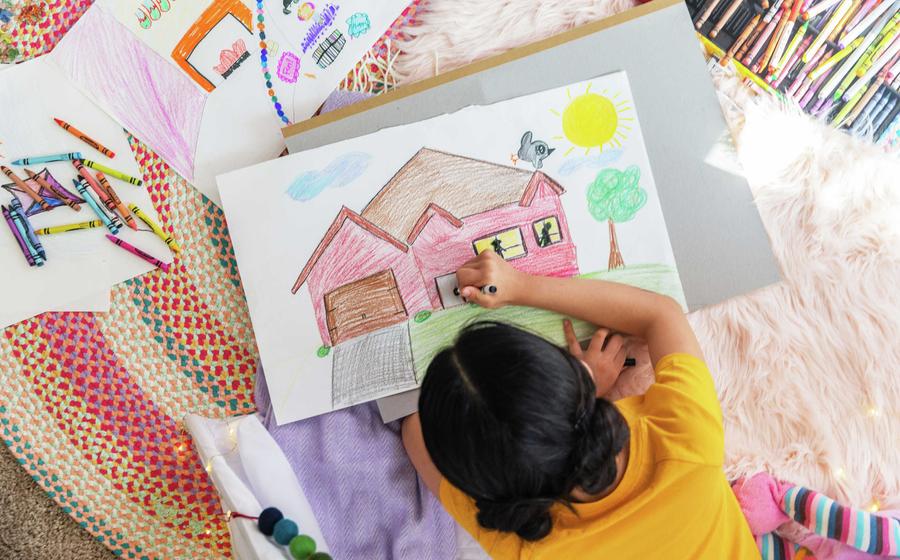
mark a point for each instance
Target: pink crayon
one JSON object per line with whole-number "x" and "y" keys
{"x": 137, "y": 252}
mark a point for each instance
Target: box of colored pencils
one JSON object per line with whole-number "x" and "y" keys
{"x": 839, "y": 60}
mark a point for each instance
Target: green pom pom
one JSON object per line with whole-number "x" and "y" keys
{"x": 302, "y": 547}
{"x": 320, "y": 556}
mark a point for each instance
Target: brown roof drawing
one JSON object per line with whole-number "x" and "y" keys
{"x": 462, "y": 186}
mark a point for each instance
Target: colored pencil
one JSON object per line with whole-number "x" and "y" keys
{"x": 741, "y": 39}
{"x": 69, "y": 227}
{"x": 85, "y": 138}
{"x": 117, "y": 202}
{"x": 729, "y": 12}
{"x": 15, "y": 208}
{"x": 170, "y": 241}
{"x": 835, "y": 58}
{"x": 25, "y": 188}
{"x": 112, "y": 224}
{"x": 137, "y": 252}
{"x": 113, "y": 172}
{"x": 67, "y": 200}
{"x": 48, "y": 159}
{"x": 827, "y": 29}
{"x": 710, "y": 6}
{"x": 26, "y": 249}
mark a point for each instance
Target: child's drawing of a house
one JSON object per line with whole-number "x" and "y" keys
{"x": 400, "y": 254}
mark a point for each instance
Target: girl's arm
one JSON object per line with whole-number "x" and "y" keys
{"x": 656, "y": 318}
{"x": 418, "y": 455}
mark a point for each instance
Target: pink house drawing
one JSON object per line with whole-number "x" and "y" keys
{"x": 400, "y": 254}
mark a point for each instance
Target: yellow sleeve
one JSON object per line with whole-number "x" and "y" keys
{"x": 462, "y": 508}
{"x": 683, "y": 407}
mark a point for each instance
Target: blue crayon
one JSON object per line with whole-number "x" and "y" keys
{"x": 34, "y": 255}
{"x": 48, "y": 159}
{"x": 878, "y": 120}
{"x": 112, "y": 224}
{"x": 16, "y": 209}
{"x": 873, "y": 108}
{"x": 23, "y": 245}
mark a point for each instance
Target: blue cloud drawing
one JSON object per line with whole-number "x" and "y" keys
{"x": 592, "y": 162}
{"x": 339, "y": 173}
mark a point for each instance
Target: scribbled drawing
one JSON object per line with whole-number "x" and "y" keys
{"x": 53, "y": 199}
{"x": 306, "y": 11}
{"x": 534, "y": 152}
{"x": 215, "y": 42}
{"x": 372, "y": 366}
{"x": 593, "y": 161}
{"x": 286, "y": 6}
{"x": 323, "y": 21}
{"x": 395, "y": 259}
{"x": 329, "y": 49}
{"x": 339, "y": 173}
{"x": 358, "y": 24}
{"x": 154, "y": 100}
{"x": 595, "y": 120}
{"x": 615, "y": 197}
{"x": 150, "y": 11}
{"x": 288, "y": 67}
{"x": 231, "y": 59}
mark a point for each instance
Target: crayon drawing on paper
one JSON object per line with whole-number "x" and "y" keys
{"x": 353, "y": 289}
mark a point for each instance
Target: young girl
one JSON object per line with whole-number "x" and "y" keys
{"x": 515, "y": 438}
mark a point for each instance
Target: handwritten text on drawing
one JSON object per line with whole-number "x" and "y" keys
{"x": 150, "y": 11}
{"x": 323, "y": 22}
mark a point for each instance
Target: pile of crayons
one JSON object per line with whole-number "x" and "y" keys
{"x": 839, "y": 60}
{"x": 94, "y": 190}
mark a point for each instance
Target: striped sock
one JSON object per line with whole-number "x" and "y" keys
{"x": 864, "y": 531}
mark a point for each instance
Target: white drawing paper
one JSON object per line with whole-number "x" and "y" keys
{"x": 201, "y": 82}
{"x": 80, "y": 264}
{"x": 348, "y": 252}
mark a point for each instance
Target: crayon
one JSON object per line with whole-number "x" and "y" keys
{"x": 860, "y": 13}
{"x": 760, "y": 43}
{"x": 15, "y": 208}
{"x": 95, "y": 185}
{"x": 117, "y": 202}
{"x": 864, "y": 24}
{"x": 801, "y": 81}
{"x": 848, "y": 65}
{"x": 729, "y": 12}
{"x": 25, "y": 188}
{"x": 779, "y": 37}
{"x": 785, "y": 72}
{"x": 36, "y": 254}
{"x": 887, "y": 123}
{"x": 69, "y": 227}
{"x": 878, "y": 119}
{"x": 835, "y": 58}
{"x": 85, "y": 138}
{"x": 741, "y": 39}
{"x": 750, "y": 40}
{"x": 112, "y": 172}
{"x": 819, "y": 8}
{"x": 885, "y": 37}
{"x": 20, "y": 240}
{"x": 112, "y": 224}
{"x": 857, "y": 103}
{"x": 48, "y": 159}
{"x": 842, "y": 23}
{"x": 873, "y": 108}
{"x": 710, "y": 6}
{"x": 67, "y": 200}
{"x": 741, "y": 69}
{"x": 138, "y": 253}
{"x": 170, "y": 241}
{"x": 826, "y": 30}
{"x": 764, "y": 4}
{"x": 813, "y": 87}
{"x": 882, "y": 64}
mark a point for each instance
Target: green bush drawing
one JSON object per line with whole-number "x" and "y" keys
{"x": 615, "y": 196}
{"x": 323, "y": 351}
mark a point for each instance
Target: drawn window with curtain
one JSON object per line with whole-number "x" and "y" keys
{"x": 546, "y": 231}
{"x": 507, "y": 243}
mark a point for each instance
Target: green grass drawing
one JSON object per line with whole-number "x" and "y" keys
{"x": 430, "y": 337}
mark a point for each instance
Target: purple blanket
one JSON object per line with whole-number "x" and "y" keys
{"x": 363, "y": 490}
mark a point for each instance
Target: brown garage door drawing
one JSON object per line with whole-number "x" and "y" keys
{"x": 363, "y": 306}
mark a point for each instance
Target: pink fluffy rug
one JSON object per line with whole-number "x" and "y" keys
{"x": 808, "y": 370}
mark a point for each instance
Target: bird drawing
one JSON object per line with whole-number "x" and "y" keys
{"x": 533, "y": 151}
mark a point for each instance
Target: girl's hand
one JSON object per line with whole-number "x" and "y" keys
{"x": 489, "y": 269}
{"x": 604, "y": 357}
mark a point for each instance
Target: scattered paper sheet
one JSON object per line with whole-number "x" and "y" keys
{"x": 198, "y": 82}
{"x": 94, "y": 303}
{"x": 79, "y": 264}
{"x": 348, "y": 252}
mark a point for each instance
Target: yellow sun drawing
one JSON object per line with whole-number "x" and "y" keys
{"x": 595, "y": 120}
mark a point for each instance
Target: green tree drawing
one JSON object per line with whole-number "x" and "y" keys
{"x": 615, "y": 196}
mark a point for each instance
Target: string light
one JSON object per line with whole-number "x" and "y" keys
{"x": 874, "y": 506}
{"x": 873, "y": 411}
{"x": 839, "y": 473}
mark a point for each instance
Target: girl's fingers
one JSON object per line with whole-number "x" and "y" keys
{"x": 571, "y": 339}
{"x": 599, "y": 339}
{"x": 621, "y": 355}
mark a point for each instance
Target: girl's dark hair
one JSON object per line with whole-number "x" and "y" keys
{"x": 511, "y": 420}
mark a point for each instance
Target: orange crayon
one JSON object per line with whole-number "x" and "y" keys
{"x": 117, "y": 202}
{"x": 739, "y": 42}
{"x": 23, "y": 186}
{"x": 67, "y": 200}
{"x": 85, "y": 138}
{"x": 94, "y": 184}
